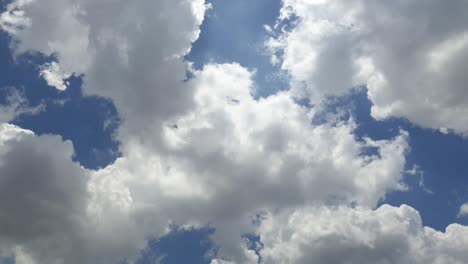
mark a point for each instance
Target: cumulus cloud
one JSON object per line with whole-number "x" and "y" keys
{"x": 222, "y": 163}
{"x": 130, "y": 52}
{"x": 233, "y": 156}
{"x": 43, "y": 197}
{"x": 196, "y": 152}
{"x": 359, "y": 236}
{"x": 409, "y": 54}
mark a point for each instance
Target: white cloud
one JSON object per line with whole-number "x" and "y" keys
{"x": 54, "y": 76}
{"x": 198, "y": 152}
{"x": 359, "y": 236}
{"x": 233, "y": 156}
{"x": 410, "y": 54}
{"x": 228, "y": 159}
{"x": 130, "y": 52}
{"x": 463, "y": 210}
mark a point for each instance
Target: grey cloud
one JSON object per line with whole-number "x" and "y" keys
{"x": 42, "y": 195}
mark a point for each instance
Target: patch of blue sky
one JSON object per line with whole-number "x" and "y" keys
{"x": 233, "y": 31}
{"x": 89, "y": 122}
{"x": 9, "y": 260}
{"x": 181, "y": 246}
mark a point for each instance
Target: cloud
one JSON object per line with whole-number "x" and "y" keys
{"x": 463, "y": 210}
{"x": 221, "y": 164}
{"x": 233, "y": 156}
{"x": 54, "y": 76}
{"x": 359, "y": 235}
{"x": 130, "y": 52}
{"x": 410, "y": 55}
{"x": 43, "y": 197}
{"x": 195, "y": 152}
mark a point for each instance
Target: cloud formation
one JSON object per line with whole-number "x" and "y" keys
{"x": 43, "y": 197}
{"x": 129, "y": 52}
{"x": 221, "y": 164}
{"x": 409, "y": 54}
{"x": 233, "y": 156}
{"x": 197, "y": 151}
{"x": 359, "y": 235}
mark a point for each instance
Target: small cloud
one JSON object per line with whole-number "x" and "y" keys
{"x": 54, "y": 75}
{"x": 416, "y": 171}
{"x": 463, "y": 211}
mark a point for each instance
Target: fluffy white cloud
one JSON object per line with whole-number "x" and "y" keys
{"x": 233, "y": 156}
{"x": 410, "y": 54}
{"x": 359, "y": 236}
{"x": 195, "y": 152}
{"x": 222, "y": 163}
{"x": 131, "y": 52}
{"x": 54, "y": 76}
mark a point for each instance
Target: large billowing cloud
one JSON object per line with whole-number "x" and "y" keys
{"x": 232, "y": 157}
{"x": 227, "y": 160}
{"x": 129, "y": 51}
{"x": 410, "y": 54}
{"x": 196, "y": 152}
{"x": 359, "y": 236}
{"x": 43, "y": 196}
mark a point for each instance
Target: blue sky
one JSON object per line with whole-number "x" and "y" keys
{"x": 233, "y": 31}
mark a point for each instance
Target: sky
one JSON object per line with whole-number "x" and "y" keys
{"x": 232, "y": 132}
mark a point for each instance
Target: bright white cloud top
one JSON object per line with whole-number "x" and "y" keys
{"x": 204, "y": 151}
